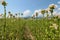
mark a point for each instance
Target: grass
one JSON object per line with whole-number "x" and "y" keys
{"x": 26, "y": 29}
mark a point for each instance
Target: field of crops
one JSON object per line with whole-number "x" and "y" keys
{"x": 30, "y": 29}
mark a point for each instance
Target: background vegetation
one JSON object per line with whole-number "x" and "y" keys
{"x": 16, "y": 28}
{"x": 29, "y": 29}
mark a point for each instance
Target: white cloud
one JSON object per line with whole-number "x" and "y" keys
{"x": 55, "y": 13}
{"x": 38, "y": 11}
{"x": 58, "y": 2}
{"x": 58, "y": 8}
{"x": 26, "y": 13}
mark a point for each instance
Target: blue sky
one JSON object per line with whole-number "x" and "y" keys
{"x": 31, "y": 5}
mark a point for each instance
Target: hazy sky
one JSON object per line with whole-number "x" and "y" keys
{"x": 28, "y": 6}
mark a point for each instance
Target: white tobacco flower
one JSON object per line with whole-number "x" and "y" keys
{"x": 51, "y": 5}
{"x": 55, "y": 26}
{"x": 51, "y": 26}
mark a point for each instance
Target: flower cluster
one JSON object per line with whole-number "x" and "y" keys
{"x": 54, "y": 25}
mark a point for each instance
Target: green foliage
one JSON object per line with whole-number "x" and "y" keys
{"x": 38, "y": 29}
